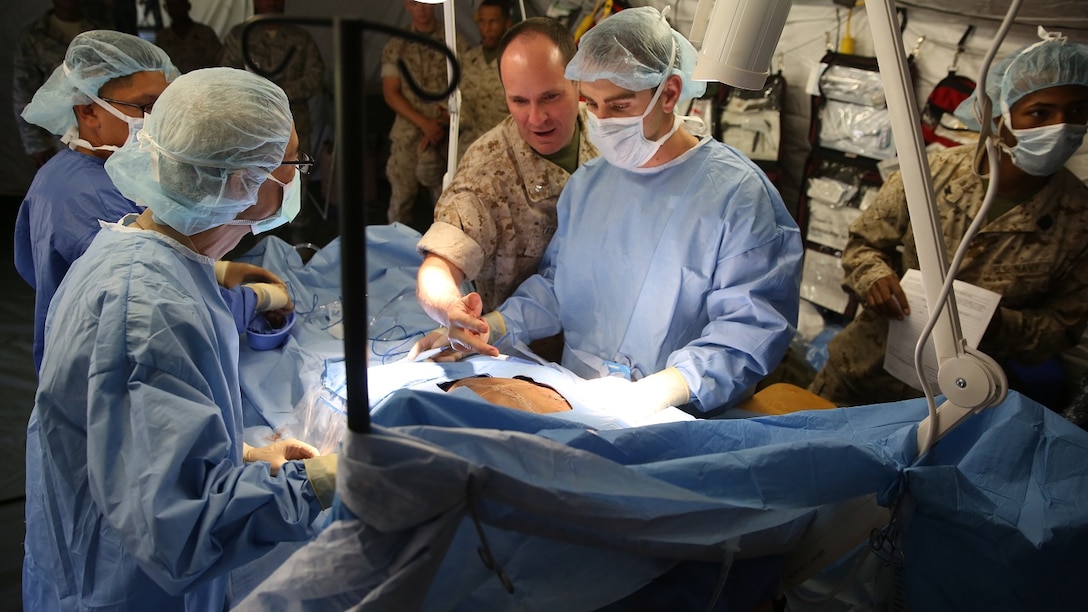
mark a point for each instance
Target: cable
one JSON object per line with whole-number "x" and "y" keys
{"x": 984, "y": 115}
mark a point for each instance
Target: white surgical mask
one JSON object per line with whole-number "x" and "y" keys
{"x": 135, "y": 124}
{"x": 288, "y": 210}
{"x": 622, "y": 141}
{"x": 1042, "y": 151}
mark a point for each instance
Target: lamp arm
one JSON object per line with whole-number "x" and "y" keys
{"x": 970, "y": 380}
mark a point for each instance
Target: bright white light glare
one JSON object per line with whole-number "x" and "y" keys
{"x": 738, "y": 40}
{"x": 431, "y": 1}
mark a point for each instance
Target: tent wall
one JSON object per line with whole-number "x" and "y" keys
{"x": 803, "y": 43}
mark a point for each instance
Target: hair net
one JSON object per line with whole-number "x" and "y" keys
{"x": 214, "y": 137}
{"x": 93, "y": 59}
{"x": 1052, "y": 62}
{"x": 632, "y": 49}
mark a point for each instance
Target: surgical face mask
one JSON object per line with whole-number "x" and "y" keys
{"x": 621, "y": 139}
{"x": 1042, "y": 151}
{"x": 288, "y": 210}
{"x": 135, "y": 124}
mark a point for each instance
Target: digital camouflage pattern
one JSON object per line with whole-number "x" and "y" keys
{"x": 498, "y": 214}
{"x": 40, "y": 49}
{"x": 199, "y": 48}
{"x": 1035, "y": 256}
{"x": 483, "y": 101}
{"x": 408, "y": 167}
{"x": 301, "y": 78}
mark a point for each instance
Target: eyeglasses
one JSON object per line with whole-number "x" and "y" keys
{"x": 304, "y": 162}
{"x": 145, "y": 109}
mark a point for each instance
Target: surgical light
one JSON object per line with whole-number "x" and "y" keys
{"x": 736, "y": 39}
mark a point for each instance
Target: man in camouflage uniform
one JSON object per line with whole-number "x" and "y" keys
{"x": 483, "y": 104}
{"x": 291, "y": 53}
{"x": 40, "y": 49}
{"x": 495, "y": 219}
{"x": 418, "y": 144}
{"x": 1034, "y": 255}
{"x": 190, "y": 45}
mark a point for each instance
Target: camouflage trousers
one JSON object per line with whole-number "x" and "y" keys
{"x": 407, "y": 169}
{"x": 854, "y": 374}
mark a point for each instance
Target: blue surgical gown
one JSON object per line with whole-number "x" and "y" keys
{"x": 695, "y": 265}
{"x": 137, "y": 496}
{"x": 57, "y": 221}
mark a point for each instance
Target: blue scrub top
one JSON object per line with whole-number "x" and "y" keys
{"x": 137, "y": 496}
{"x": 56, "y": 223}
{"x": 694, "y": 265}
{"x": 58, "y": 219}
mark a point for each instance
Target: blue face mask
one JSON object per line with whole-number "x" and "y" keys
{"x": 1042, "y": 151}
{"x": 288, "y": 210}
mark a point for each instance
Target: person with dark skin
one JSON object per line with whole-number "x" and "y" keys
{"x": 189, "y": 44}
{"x": 1031, "y": 249}
{"x": 40, "y": 49}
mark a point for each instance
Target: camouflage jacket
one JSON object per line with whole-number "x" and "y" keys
{"x": 40, "y": 49}
{"x": 199, "y": 48}
{"x": 498, "y": 214}
{"x": 483, "y": 101}
{"x": 301, "y": 78}
{"x": 1035, "y": 256}
{"x": 428, "y": 69}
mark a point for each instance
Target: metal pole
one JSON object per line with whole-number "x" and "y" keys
{"x": 347, "y": 41}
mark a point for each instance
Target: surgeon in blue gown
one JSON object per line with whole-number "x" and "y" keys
{"x": 675, "y": 270}
{"x": 141, "y": 494}
{"x": 96, "y": 102}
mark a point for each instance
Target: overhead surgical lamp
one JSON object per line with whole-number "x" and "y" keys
{"x": 738, "y": 39}
{"x": 737, "y": 49}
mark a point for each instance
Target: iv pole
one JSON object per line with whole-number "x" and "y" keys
{"x": 350, "y": 103}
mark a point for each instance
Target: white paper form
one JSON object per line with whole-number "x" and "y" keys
{"x": 976, "y": 307}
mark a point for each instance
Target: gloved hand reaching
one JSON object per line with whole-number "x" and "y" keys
{"x": 271, "y": 297}
{"x": 230, "y": 274}
{"x": 278, "y": 453}
{"x": 636, "y": 400}
{"x": 462, "y": 341}
{"x": 320, "y": 469}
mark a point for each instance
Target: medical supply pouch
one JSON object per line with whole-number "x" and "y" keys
{"x": 750, "y": 121}
{"x": 939, "y": 125}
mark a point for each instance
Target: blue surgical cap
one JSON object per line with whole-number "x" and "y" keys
{"x": 1051, "y": 62}
{"x": 215, "y": 136}
{"x": 93, "y": 59}
{"x": 632, "y": 49}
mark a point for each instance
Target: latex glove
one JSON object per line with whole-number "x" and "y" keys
{"x": 636, "y": 400}
{"x": 436, "y": 339}
{"x": 321, "y": 472}
{"x": 479, "y": 339}
{"x": 462, "y": 342}
{"x": 271, "y": 297}
{"x": 230, "y": 274}
{"x": 886, "y": 298}
{"x": 278, "y": 453}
